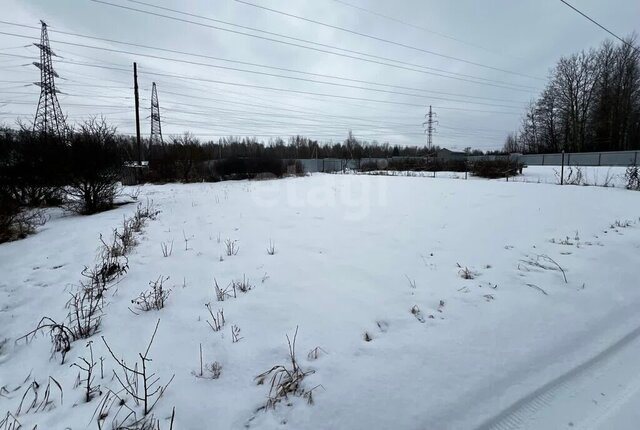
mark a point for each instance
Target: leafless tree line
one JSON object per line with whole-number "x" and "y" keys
{"x": 591, "y": 103}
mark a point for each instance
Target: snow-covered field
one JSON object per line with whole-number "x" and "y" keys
{"x": 600, "y": 176}
{"x": 434, "y": 304}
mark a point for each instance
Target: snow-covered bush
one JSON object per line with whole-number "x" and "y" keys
{"x": 632, "y": 177}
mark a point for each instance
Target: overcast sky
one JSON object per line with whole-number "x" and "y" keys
{"x": 512, "y": 45}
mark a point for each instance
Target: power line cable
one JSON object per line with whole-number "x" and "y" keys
{"x": 256, "y": 64}
{"x": 197, "y": 63}
{"x": 381, "y": 39}
{"x": 376, "y": 59}
{"x": 417, "y": 27}
{"x": 601, "y": 26}
{"x": 238, "y": 84}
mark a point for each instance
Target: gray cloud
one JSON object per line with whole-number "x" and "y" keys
{"x": 524, "y": 37}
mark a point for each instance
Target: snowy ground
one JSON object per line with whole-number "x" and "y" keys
{"x": 514, "y": 347}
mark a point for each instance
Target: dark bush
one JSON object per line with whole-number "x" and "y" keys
{"x": 163, "y": 166}
{"x": 439, "y": 165}
{"x": 184, "y": 159}
{"x": 295, "y": 167}
{"x": 31, "y": 175}
{"x": 408, "y": 164}
{"x": 417, "y": 164}
{"x": 95, "y": 164}
{"x": 248, "y": 168}
{"x": 498, "y": 168}
{"x": 17, "y": 222}
{"x": 369, "y": 166}
{"x": 32, "y": 167}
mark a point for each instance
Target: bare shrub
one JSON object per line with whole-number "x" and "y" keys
{"x": 10, "y": 422}
{"x": 39, "y": 402}
{"x": 134, "y": 194}
{"x": 141, "y": 385}
{"x": 18, "y": 223}
{"x": 217, "y": 319}
{"x": 85, "y": 306}
{"x": 113, "y": 263}
{"x": 148, "y": 210}
{"x": 222, "y": 294}
{"x": 538, "y": 261}
{"x": 235, "y": 334}
{"x": 154, "y": 298}
{"x": 573, "y": 176}
{"x": 85, "y": 310}
{"x": 95, "y": 166}
{"x": 125, "y": 237}
{"x": 242, "y": 285}
{"x": 167, "y": 248}
{"x": 208, "y": 370}
{"x": 124, "y": 418}
{"x": 285, "y": 381}
{"x": 86, "y": 366}
{"x": 231, "y": 247}
{"x": 621, "y": 224}
{"x": 213, "y": 370}
{"x": 608, "y": 179}
{"x": 113, "y": 248}
{"x": 466, "y": 273}
{"x": 61, "y": 335}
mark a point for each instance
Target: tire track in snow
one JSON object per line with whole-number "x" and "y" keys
{"x": 584, "y": 397}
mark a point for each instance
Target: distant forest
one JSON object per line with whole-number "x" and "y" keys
{"x": 591, "y": 103}
{"x": 188, "y": 146}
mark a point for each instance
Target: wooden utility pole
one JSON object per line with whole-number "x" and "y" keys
{"x": 135, "y": 93}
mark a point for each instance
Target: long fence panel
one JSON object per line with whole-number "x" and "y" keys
{"x": 613, "y": 158}
{"x": 617, "y": 158}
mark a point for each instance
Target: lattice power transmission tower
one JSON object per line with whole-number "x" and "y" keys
{"x": 430, "y": 129}
{"x": 49, "y": 118}
{"x": 156, "y": 125}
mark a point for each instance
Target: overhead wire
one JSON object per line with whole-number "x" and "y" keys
{"x": 380, "y": 39}
{"x": 370, "y": 57}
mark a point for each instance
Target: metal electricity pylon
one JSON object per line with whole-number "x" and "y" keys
{"x": 49, "y": 118}
{"x": 156, "y": 125}
{"x": 430, "y": 129}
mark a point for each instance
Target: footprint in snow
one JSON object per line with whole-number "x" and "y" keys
{"x": 383, "y": 326}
